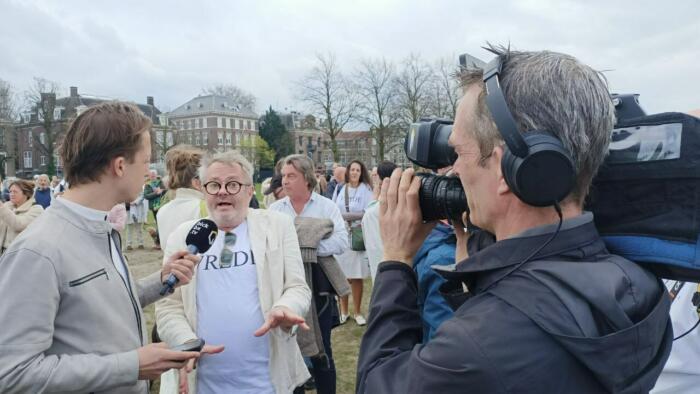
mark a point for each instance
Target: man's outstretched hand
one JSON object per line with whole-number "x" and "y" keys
{"x": 281, "y": 316}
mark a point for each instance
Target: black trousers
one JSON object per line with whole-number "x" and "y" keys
{"x": 155, "y": 220}
{"x": 324, "y": 367}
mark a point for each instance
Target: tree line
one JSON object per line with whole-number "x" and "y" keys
{"x": 384, "y": 96}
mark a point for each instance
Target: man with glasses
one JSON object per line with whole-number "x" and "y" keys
{"x": 248, "y": 293}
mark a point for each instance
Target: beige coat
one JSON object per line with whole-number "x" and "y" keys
{"x": 13, "y": 221}
{"x": 281, "y": 282}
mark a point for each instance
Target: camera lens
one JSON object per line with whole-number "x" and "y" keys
{"x": 441, "y": 197}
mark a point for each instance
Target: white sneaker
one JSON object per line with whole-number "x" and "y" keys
{"x": 343, "y": 318}
{"x": 360, "y": 320}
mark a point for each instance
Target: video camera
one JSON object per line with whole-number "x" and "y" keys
{"x": 440, "y": 197}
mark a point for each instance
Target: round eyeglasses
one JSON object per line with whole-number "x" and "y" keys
{"x": 232, "y": 187}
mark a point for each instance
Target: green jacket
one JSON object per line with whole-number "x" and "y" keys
{"x": 154, "y": 199}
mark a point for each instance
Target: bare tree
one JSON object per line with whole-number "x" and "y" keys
{"x": 325, "y": 90}
{"x": 376, "y": 84}
{"x": 8, "y": 104}
{"x": 162, "y": 139}
{"x": 40, "y": 99}
{"x": 445, "y": 89}
{"x": 414, "y": 83}
{"x": 240, "y": 97}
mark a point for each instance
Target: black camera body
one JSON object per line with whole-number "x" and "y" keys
{"x": 440, "y": 197}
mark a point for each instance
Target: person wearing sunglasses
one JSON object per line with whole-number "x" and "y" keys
{"x": 248, "y": 293}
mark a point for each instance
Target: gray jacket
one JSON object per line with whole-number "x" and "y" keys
{"x": 69, "y": 321}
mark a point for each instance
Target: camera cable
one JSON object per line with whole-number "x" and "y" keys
{"x": 557, "y": 207}
{"x": 673, "y": 293}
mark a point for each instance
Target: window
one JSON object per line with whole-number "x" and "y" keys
{"x": 189, "y": 138}
{"x": 220, "y": 123}
{"x": 221, "y": 138}
{"x": 301, "y": 141}
{"x": 42, "y": 160}
{"x": 27, "y": 159}
{"x": 197, "y": 139}
{"x": 169, "y": 139}
{"x": 201, "y": 123}
{"x": 30, "y": 140}
{"x": 57, "y": 112}
{"x": 57, "y": 161}
{"x": 228, "y": 138}
{"x": 42, "y": 138}
{"x": 192, "y": 126}
{"x": 249, "y": 126}
{"x": 205, "y": 138}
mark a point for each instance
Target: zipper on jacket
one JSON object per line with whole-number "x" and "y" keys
{"x": 88, "y": 277}
{"x": 127, "y": 287}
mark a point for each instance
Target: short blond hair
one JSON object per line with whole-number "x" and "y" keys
{"x": 229, "y": 158}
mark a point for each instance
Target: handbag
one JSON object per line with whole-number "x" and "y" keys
{"x": 357, "y": 241}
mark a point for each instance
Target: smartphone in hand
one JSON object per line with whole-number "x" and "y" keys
{"x": 194, "y": 345}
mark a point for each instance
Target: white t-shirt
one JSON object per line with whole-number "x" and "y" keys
{"x": 358, "y": 197}
{"x": 681, "y": 373}
{"x": 228, "y": 313}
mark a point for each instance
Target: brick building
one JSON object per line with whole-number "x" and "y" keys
{"x": 211, "y": 122}
{"x": 31, "y": 154}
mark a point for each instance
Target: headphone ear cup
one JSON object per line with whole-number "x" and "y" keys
{"x": 545, "y": 176}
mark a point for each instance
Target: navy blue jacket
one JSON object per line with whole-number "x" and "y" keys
{"x": 575, "y": 319}
{"x": 438, "y": 249}
{"x": 43, "y": 197}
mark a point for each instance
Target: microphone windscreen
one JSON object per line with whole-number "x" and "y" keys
{"x": 202, "y": 235}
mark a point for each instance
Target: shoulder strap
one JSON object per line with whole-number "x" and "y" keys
{"x": 673, "y": 292}
{"x": 203, "y": 211}
{"x": 347, "y": 203}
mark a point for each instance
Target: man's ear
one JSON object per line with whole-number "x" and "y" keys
{"x": 496, "y": 158}
{"x": 117, "y": 166}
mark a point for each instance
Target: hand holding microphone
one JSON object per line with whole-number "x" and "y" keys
{"x": 181, "y": 264}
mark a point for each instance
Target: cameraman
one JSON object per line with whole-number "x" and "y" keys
{"x": 544, "y": 309}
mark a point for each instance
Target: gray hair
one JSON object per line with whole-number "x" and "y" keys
{"x": 304, "y": 165}
{"x": 553, "y": 92}
{"x": 228, "y": 158}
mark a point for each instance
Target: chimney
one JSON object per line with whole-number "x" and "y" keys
{"x": 48, "y": 103}
{"x": 149, "y": 100}
{"x": 74, "y": 91}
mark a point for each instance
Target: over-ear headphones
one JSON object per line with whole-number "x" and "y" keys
{"x": 536, "y": 166}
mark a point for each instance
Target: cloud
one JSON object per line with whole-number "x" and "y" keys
{"x": 172, "y": 49}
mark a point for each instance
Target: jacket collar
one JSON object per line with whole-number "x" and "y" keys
{"x": 187, "y": 193}
{"x": 27, "y": 205}
{"x": 577, "y": 240}
{"x": 59, "y": 208}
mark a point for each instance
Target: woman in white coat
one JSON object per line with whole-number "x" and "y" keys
{"x": 352, "y": 199}
{"x": 182, "y": 163}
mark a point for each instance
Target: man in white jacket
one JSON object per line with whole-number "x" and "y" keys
{"x": 248, "y": 293}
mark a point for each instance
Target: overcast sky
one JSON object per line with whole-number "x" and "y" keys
{"x": 172, "y": 49}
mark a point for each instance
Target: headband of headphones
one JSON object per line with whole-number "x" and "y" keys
{"x": 499, "y": 109}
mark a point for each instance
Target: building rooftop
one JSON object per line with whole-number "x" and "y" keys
{"x": 211, "y": 103}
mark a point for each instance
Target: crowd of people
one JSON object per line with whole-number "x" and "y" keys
{"x": 529, "y": 300}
